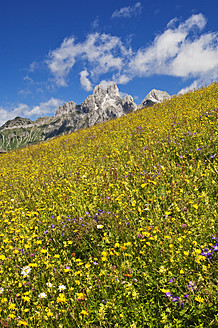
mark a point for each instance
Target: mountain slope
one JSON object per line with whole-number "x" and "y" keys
{"x": 115, "y": 225}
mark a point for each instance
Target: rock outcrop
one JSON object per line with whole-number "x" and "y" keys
{"x": 104, "y": 104}
{"x": 154, "y": 97}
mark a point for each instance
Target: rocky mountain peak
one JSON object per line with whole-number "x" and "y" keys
{"x": 154, "y": 97}
{"x": 113, "y": 90}
{"x": 104, "y": 104}
{"x": 66, "y": 109}
{"x": 17, "y": 122}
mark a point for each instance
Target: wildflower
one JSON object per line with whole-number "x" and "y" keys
{"x": 80, "y": 296}
{"x": 67, "y": 269}
{"x": 22, "y": 322}
{"x": 207, "y": 253}
{"x": 215, "y": 247}
{"x": 100, "y": 226}
{"x": 49, "y": 314}
{"x": 1, "y": 290}
{"x": 192, "y": 285}
{"x": 42, "y": 295}
{"x": 61, "y": 298}
{"x": 26, "y": 298}
{"x": 171, "y": 279}
{"x": 168, "y": 294}
{"x": 199, "y": 299}
{"x": 25, "y": 271}
{"x": 61, "y": 288}
{"x": 12, "y": 306}
{"x": 84, "y": 312}
{"x": 49, "y": 284}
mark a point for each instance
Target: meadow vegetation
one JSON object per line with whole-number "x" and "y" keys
{"x": 115, "y": 225}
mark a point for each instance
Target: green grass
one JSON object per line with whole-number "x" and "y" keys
{"x": 115, "y": 225}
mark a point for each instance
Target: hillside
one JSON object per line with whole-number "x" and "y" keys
{"x": 115, "y": 225}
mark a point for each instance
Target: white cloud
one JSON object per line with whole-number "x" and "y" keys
{"x": 24, "y": 110}
{"x": 44, "y": 108}
{"x": 182, "y": 50}
{"x": 102, "y": 52}
{"x": 194, "y": 86}
{"x": 177, "y": 52}
{"x": 6, "y": 115}
{"x": 128, "y": 11}
{"x": 84, "y": 81}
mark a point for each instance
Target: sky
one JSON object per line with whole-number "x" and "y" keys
{"x": 56, "y": 51}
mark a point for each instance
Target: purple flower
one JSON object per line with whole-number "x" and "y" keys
{"x": 168, "y": 294}
{"x": 192, "y": 285}
{"x": 214, "y": 238}
{"x": 68, "y": 267}
{"x": 215, "y": 247}
{"x": 172, "y": 280}
{"x": 207, "y": 253}
{"x": 95, "y": 263}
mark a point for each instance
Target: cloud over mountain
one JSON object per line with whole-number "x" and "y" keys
{"x": 182, "y": 50}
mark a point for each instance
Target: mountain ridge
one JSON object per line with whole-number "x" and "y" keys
{"x": 104, "y": 104}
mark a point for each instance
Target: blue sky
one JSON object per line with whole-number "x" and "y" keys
{"x": 53, "y": 51}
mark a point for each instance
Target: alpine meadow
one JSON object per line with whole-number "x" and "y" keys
{"x": 115, "y": 225}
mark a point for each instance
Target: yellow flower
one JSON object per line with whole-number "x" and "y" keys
{"x": 4, "y": 300}
{"x": 104, "y": 258}
{"x": 199, "y": 299}
{"x": 61, "y": 298}
{"x": 26, "y": 298}
{"x": 12, "y": 306}
{"x": 22, "y": 322}
{"x": 84, "y": 312}
{"x": 80, "y": 296}
{"x": 49, "y": 314}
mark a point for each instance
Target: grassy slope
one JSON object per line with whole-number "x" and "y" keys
{"x": 121, "y": 214}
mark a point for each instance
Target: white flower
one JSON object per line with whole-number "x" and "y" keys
{"x": 61, "y": 288}
{"x": 42, "y": 295}
{"x": 25, "y": 271}
{"x": 1, "y": 290}
{"x": 100, "y": 226}
{"x": 49, "y": 284}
